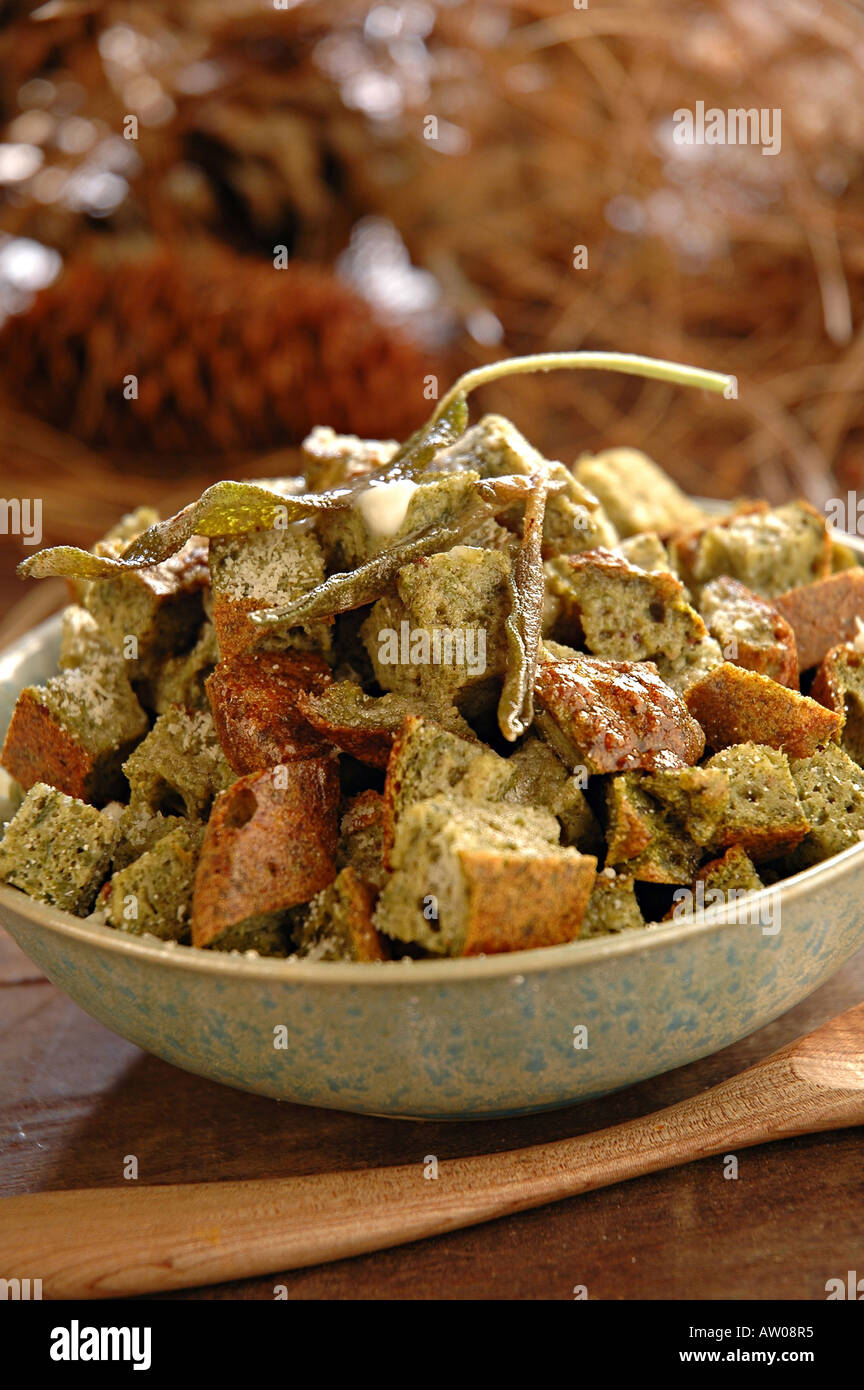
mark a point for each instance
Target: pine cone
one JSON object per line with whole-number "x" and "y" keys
{"x": 229, "y": 355}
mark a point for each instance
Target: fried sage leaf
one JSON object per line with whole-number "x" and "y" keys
{"x": 444, "y": 428}
{"x": 355, "y": 588}
{"x": 225, "y": 509}
{"x": 524, "y": 623}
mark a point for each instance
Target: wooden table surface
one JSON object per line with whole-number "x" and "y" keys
{"x": 75, "y": 1100}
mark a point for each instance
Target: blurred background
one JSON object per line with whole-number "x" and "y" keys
{"x": 422, "y": 173}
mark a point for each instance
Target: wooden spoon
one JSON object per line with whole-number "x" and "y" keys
{"x": 115, "y": 1241}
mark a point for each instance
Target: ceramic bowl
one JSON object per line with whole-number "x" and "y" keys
{"x": 451, "y": 1039}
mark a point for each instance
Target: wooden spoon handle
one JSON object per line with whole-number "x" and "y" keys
{"x": 119, "y": 1241}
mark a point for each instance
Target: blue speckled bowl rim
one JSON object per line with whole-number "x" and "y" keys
{"x": 411, "y": 972}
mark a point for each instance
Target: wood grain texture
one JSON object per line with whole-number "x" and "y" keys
{"x": 128, "y": 1240}
{"x": 76, "y": 1101}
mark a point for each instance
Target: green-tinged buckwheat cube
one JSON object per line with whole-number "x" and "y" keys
{"x": 57, "y": 849}
{"x": 612, "y": 906}
{"x": 75, "y": 731}
{"x": 140, "y": 829}
{"x": 265, "y": 569}
{"x": 453, "y": 647}
{"x": 475, "y": 879}
{"x": 154, "y": 893}
{"x": 80, "y": 639}
{"x": 179, "y": 767}
{"x": 179, "y": 680}
{"x": 148, "y": 614}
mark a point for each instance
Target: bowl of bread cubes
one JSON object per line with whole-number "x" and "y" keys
{"x": 446, "y": 780}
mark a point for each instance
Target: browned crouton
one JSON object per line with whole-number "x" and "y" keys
{"x": 622, "y": 612}
{"x": 338, "y": 924}
{"x": 365, "y": 725}
{"x": 145, "y": 615}
{"x": 751, "y": 631}
{"x": 254, "y": 699}
{"x": 611, "y": 716}
{"x": 768, "y": 549}
{"x": 823, "y": 615}
{"x": 74, "y": 732}
{"x": 270, "y": 844}
{"x": 472, "y": 878}
{"x": 764, "y": 815}
{"x": 738, "y": 706}
{"x": 264, "y": 569}
{"x": 644, "y": 836}
{"x": 839, "y": 685}
{"x": 361, "y": 839}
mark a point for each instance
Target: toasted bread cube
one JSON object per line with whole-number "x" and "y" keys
{"x": 180, "y": 680}
{"x": 763, "y": 816}
{"x": 153, "y": 895}
{"x": 338, "y": 924}
{"x": 768, "y": 549}
{"x": 839, "y": 685}
{"x": 263, "y": 569}
{"x": 270, "y": 844}
{"x": 646, "y": 551}
{"x": 75, "y": 731}
{"x": 636, "y": 494}
{"x": 690, "y": 665}
{"x": 612, "y": 907}
{"x": 751, "y": 631}
{"x": 427, "y": 761}
{"x": 538, "y": 777}
{"x": 696, "y": 796}
{"x": 361, "y": 838}
{"x": 139, "y": 830}
{"x": 256, "y": 712}
{"x": 148, "y": 614}
{"x": 81, "y": 642}
{"x": 738, "y": 706}
{"x": 332, "y": 460}
{"x": 733, "y": 872}
{"x": 831, "y": 790}
{"x": 179, "y": 767}
{"x": 574, "y": 519}
{"x": 622, "y": 612}
{"x": 611, "y": 716}
{"x": 365, "y": 725}
{"x": 57, "y": 849}
{"x": 823, "y": 615}
{"x": 493, "y": 448}
{"x": 644, "y": 837}
{"x": 718, "y": 883}
{"x": 474, "y": 879}
{"x": 443, "y": 634}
